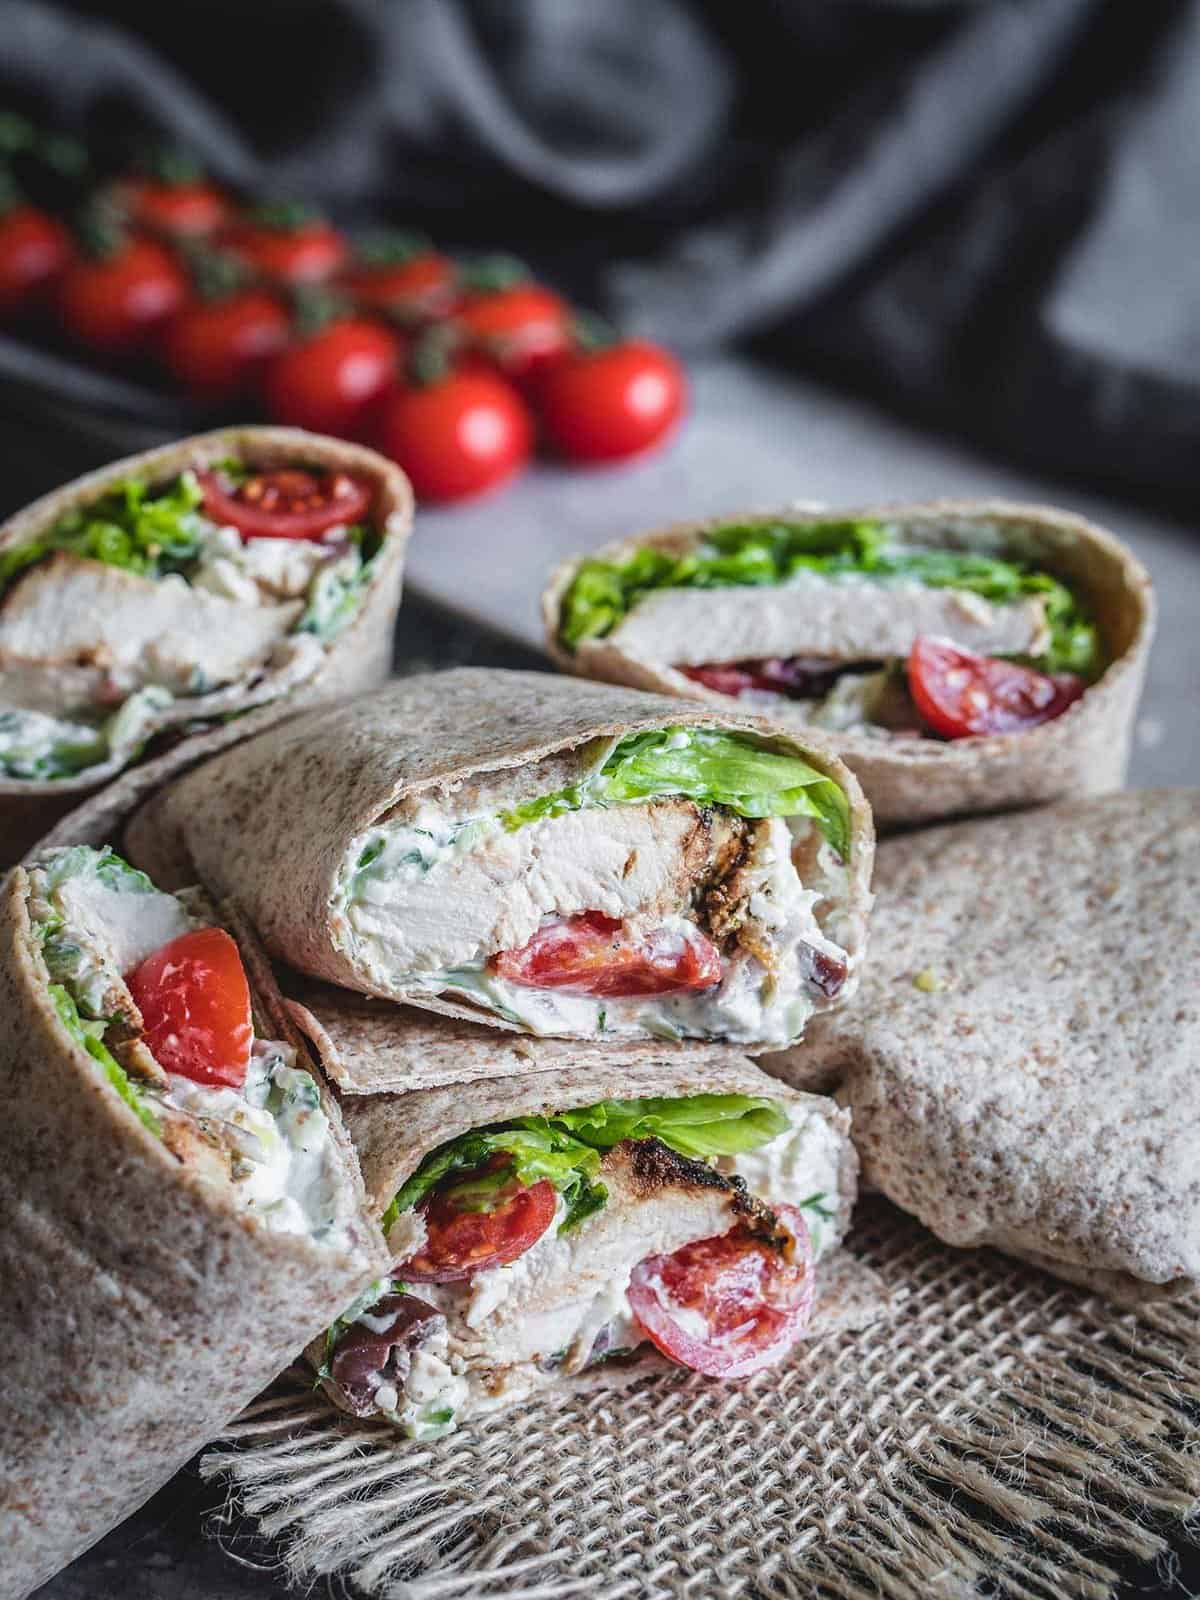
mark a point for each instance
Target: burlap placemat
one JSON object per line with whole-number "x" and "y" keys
{"x": 997, "y": 1433}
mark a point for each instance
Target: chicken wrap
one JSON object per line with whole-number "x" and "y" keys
{"x": 182, "y": 1208}
{"x": 961, "y": 656}
{"x": 1021, "y": 1060}
{"x": 559, "y": 858}
{"x": 199, "y": 591}
{"x": 576, "y": 1212}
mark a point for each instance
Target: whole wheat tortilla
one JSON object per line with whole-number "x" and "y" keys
{"x": 1084, "y": 751}
{"x": 1021, "y": 1059}
{"x": 358, "y": 658}
{"x": 271, "y": 820}
{"x": 142, "y": 1308}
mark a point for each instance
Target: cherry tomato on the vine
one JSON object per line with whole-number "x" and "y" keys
{"x": 614, "y": 402}
{"x": 183, "y": 210}
{"x": 419, "y": 288}
{"x": 118, "y": 300}
{"x": 521, "y": 327}
{"x": 34, "y": 250}
{"x": 457, "y": 435}
{"x": 287, "y": 244}
{"x": 331, "y": 380}
{"x": 217, "y": 349}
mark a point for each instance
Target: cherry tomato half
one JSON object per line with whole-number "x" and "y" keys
{"x": 287, "y": 503}
{"x": 117, "y": 302}
{"x": 960, "y": 694}
{"x": 34, "y": 250}
{"x": 417, "y": 289}
{"x": 456, "y": 436}
{"x": 218, "y": 348}
{"x": 301, "y": 252}
{"x": 750, "y": 1302}
{"x": 460, "y": 1243}
{"x": 597, "y": 955}
{"x": 330, "y": 381}
{"x": 522, "y": 327}
{"x": 609, "y": 404}
{"x": 183, "y": 210}
{"x": 195, "y": 1006}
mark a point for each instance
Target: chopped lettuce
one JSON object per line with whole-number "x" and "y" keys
{"x": 132, "y": 527}
{"x": 603, "y": 593}
{"x": 566, "y": 1147}
{"x": 716, "y": 768}
{"x": 89, "y": 1034}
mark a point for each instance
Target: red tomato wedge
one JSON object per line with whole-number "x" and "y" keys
{"x": 597, "y": 955}
{"x": 727, "y": 1306}
{"x": 960, "y": 694}
{"x": 461, "y": 1243}
{"x": 285, "y": 504}
{"x": 195, "y": 1006}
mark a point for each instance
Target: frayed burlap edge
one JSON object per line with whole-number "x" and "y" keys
{"x": 1000, "y": 1433}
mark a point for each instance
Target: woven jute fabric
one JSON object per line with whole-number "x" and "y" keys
{"x": 995, "y": 1433}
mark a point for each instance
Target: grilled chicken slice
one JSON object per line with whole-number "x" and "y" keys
{"x": 844, "y": 620}
{"x": 566, "y": 1287}
{"x": 98, "y": 630}
{"x": 637, "y": 860}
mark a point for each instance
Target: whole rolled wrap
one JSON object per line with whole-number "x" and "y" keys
{"x": 1021, "y": 1058}
{"x": 907, "y": 779}
{"x": 143, "y": 1303}
{"x": 356, "y": 658}
{"x": 447, "y": 817}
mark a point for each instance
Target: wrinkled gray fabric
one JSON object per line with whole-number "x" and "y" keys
{"x": 982, "y": 213}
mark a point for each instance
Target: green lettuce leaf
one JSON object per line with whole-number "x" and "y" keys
{"x": 696, "y": 1125}
{"x": 603, "y": 593}
{"x": 565, "y": 1147}
{"x": 149, "y": 533}
{"x": 716, "y": 768}
{"x": 90, "y": 1035}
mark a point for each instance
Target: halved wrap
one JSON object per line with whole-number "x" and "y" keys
{"x": 572, "y": 1210}
{"x": 554, "y": 857}
{"x": 1021, "y": 1059}
{"x": 961, "y": 656}
{"x": 197, "y": 592}
{"x": 182, "y": 1208}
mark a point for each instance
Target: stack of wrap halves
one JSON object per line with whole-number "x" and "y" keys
{"x": 495, "y": 1034}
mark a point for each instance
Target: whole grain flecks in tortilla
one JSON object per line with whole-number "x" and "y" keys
{"x": 143, "y": 1306}
{"x": 271, "y": 821}
{"x": 1084, "y": 751}
{"x": 1021, "y": 1058}
{"x": 358, "y": 658}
